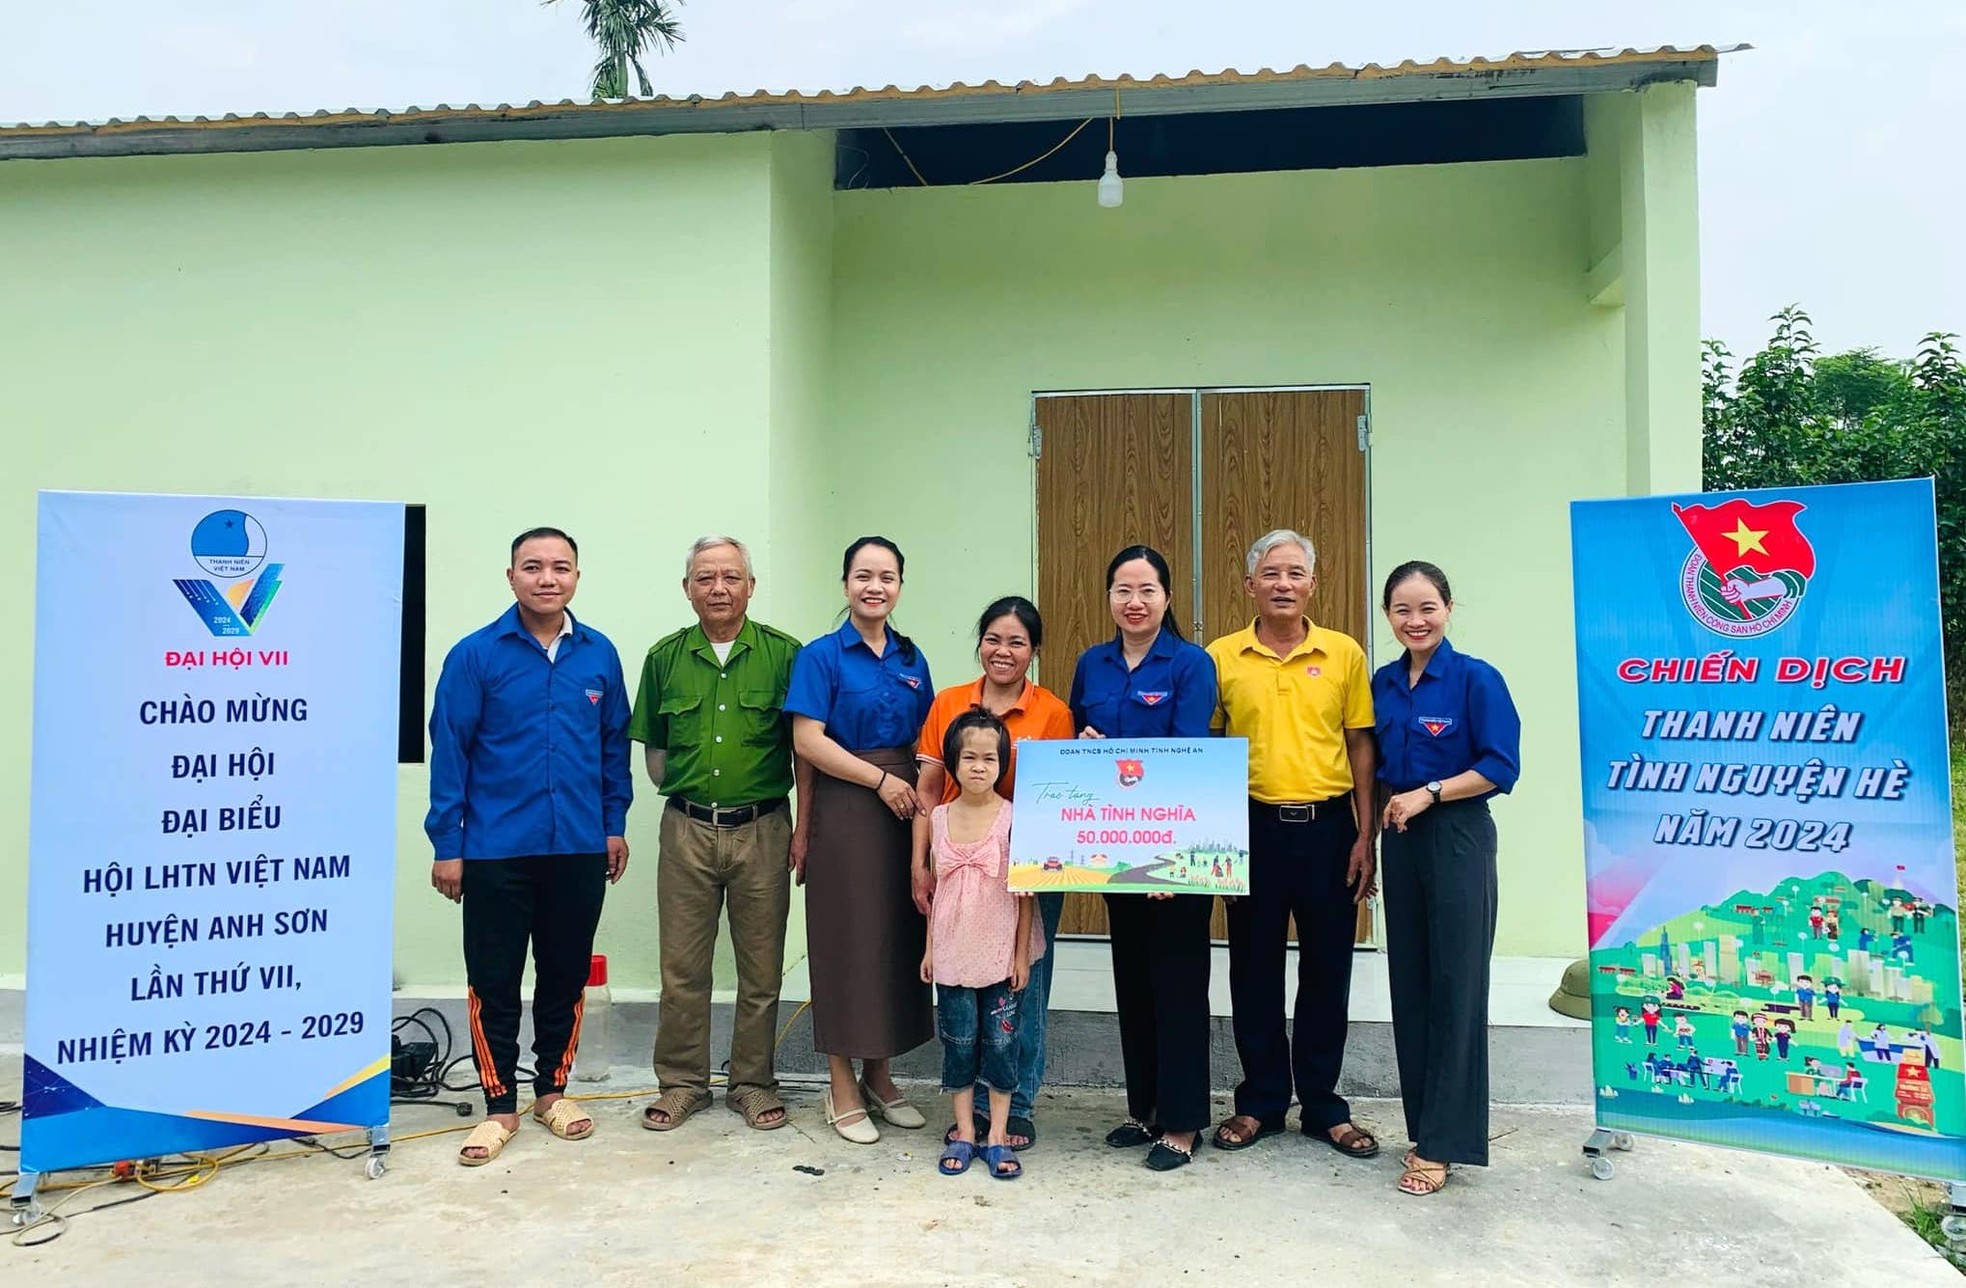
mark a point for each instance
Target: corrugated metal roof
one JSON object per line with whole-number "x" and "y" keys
{"x": 1541, "y": 72}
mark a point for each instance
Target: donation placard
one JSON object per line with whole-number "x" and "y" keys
{"x": 213, "y": 830}
{"x": 1111, "y": 816}
{"x": 1774, "y": 932}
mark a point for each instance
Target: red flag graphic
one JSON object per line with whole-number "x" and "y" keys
{"x": 1738, "y": 533}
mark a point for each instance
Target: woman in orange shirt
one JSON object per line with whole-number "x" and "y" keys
{"x": 1008, "y": 637}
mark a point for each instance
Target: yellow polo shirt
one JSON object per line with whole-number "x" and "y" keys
{"x": 1294, "y": 710}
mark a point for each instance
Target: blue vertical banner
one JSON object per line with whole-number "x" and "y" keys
{"x": 1773, "y": 909}
{"x": 212, "y": 840}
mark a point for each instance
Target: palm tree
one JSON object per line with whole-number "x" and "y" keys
{"x": 624, "y": 30}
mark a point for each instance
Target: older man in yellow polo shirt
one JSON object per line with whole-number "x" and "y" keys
{"x": 1302, "y": 696}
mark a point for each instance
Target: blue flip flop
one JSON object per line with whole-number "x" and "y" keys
{"x": 998, "y": 1155}
{"x": 959, "y": 1152}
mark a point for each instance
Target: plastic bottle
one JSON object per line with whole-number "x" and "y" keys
{"x": 590, "y": 1062}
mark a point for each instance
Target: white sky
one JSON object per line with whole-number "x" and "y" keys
{"x": 1830, "y": 155}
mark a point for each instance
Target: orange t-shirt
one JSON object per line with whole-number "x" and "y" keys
{"x": 1038, "y": 713}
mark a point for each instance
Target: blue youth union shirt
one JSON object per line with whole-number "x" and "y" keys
{"x": 1171, "y": 694}
{"x": 865, "y": 702}
{"x": 1458, "y": 717}
{"x": 528, "y": 755}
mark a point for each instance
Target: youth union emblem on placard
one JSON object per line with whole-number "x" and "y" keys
{"x": 231, "y": 546}
{"x": 1131, "y": 772}
{"x": 1749, "y": 567}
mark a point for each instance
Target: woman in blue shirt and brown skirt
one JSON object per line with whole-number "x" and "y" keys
{"x": 1148, "y": 682}
{"x": 1449, "y": 738}
{"x": 857, "y": 700}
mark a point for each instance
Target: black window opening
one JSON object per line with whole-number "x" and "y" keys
{"x": 1304, "y": 138}
{"x": 409, "y": 700}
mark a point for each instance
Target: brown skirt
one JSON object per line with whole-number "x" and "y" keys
{"x": 864, "y": 939}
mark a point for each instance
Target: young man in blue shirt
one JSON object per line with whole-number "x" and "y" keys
{"x": 529, "y": 794}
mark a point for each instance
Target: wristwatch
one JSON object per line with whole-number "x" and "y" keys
{"x": 1433, "y": 790}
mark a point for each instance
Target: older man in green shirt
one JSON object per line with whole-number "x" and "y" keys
{"x": 710, "y": 714}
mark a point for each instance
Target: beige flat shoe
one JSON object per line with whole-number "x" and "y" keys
{"x": 860, "y": 1131}
{"x": 898, "y": 1112}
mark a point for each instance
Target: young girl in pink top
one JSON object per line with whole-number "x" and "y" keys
{"x": 981, "y": 939}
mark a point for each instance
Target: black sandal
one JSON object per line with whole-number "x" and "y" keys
{"x": 1021, "y": 1127}
{"x": 1131, "y": 1134}
{"x": 1165, "y": 1156}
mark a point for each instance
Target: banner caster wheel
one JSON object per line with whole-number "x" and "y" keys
{"x": 1602, "y": 1168}
{"x": 375, "y": 1167}
{"x": 1953, "y": 1227}
{"x": 1623, "y": 1140}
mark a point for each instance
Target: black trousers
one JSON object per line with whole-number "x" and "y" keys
{"x": 553, "y": 900}
{"x": 1295, "y": 869}
{"x": 1439, "y": 879}
{"x": 1160, "y": 988}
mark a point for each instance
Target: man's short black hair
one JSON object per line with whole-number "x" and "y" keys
{"x": 532, "y": 533}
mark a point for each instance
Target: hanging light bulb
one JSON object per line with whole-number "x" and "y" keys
{"x": 1111, "y": 189}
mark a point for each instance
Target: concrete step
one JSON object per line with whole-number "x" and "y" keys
{"x": 1535, "y": 1055}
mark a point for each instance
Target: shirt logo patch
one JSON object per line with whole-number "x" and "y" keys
{"x": 1152, "y": 699}
{"x": 1314, "y": 671}
{"x": 1436, "y": 725}
{"x": 912, "y": 681}
{"x": 593, "y": 697}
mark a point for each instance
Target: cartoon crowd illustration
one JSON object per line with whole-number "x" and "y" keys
{"x": 1809, "y": 999}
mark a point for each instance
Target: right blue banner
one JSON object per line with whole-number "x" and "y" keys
{"x": 1774, "y": 935}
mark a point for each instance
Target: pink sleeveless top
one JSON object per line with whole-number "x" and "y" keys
{"x": 974, "y": 915}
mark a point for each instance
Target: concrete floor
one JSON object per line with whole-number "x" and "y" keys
{"x": 716, "y": 1203}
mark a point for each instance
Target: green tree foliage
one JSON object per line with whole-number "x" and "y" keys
{"x": 624, "y": 31}
{"x": 1790, "y": 416}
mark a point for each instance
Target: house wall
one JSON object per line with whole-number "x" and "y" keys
{"x": 645, "y": 340}
{"x": 512, "y": 334}
{"x": 1455, "y": 292}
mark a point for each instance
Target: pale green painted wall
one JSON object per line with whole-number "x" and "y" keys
{"x": 514, "y": 334}
{"x": 1455, "y": 292}
{"x": 645, "y": 340}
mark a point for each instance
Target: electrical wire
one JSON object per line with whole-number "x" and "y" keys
{"x": 1049, "y": 153}
{"x": 1076, "y": 130}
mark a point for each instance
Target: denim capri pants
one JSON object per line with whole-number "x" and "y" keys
{"x": 978, "y": 1028}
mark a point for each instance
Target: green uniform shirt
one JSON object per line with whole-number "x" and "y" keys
{"x": 722, "y": 725}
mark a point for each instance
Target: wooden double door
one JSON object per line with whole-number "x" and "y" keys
{"x": 1198, "y": 475}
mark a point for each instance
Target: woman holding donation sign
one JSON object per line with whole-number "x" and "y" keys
{"x": 1148, "y": 682}
{"x": 1449, "y": 738}
{"x": 1008, "y": 637}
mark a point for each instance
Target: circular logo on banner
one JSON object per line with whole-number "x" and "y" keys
{"x": 228, "y": 543}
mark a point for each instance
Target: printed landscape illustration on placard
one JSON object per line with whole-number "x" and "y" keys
{"x": 1825, "y": 997}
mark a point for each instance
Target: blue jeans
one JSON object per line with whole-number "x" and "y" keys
{"x": 1032, "y": 1015}
{"x": 978, "y": 1028}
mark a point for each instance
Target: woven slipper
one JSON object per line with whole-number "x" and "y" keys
{"x": 488, "y": 1136}
{"x": 676, "y": 1104}
{"x": 752, "y": 1103}
{"x": 565, "y": 1120}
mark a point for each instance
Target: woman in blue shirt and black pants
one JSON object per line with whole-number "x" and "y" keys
{"x": 1148, "y": 682}
{"x": 1449, "y": 738}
